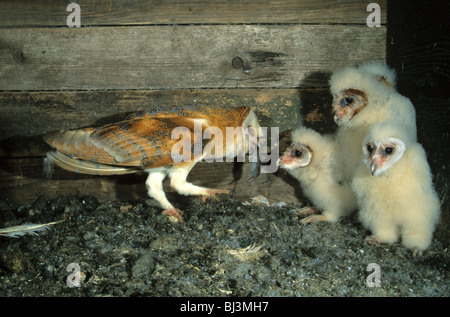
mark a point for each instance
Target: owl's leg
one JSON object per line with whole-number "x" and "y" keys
{"x": 155, "y": 190}
{"x": 383, "y": 227}
{"x": 417, "y": 235}
{"x": 331, "y": 216}
{"x": 178, "y": 182}
{"x": 381, "y": 235}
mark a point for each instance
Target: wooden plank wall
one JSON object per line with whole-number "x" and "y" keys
{"x": 135, "y": 55}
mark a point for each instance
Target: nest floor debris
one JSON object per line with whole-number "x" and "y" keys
{"x": 223, "y": 248}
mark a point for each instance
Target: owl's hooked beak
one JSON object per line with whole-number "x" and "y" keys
{"x": 375, "y": 164}
{"x": 337, "y": 119}
{"x": 373, "y": 168}
{"x": 337, "y": 111}
{"x": 341, "y": 114}
{"x": 279, "y": 162}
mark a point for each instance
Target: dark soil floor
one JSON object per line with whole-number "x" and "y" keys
{"x": 223, "y": 248}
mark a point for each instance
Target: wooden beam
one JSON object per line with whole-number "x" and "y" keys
{"x": 126, "y": 12}
{"x": 196, "y": 56}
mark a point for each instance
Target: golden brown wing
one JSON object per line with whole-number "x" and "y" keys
{"x": 218, "y": 116}
{"x": 142, "y": 140}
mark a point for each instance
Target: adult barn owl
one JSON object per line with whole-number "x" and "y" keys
{"x": 311, "y": 160}
{"x": 150, "y": 141}
{"x": 362, "y": 96}
{"x": 394, "y": 188}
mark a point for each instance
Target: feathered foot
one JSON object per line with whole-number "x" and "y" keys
{"x": 374, "y": 240}
{"x": 211, "y": 193}
{"x": 314, "y": 219}
{"x": 416, "y": 251}
{"x": 174, "y": 215}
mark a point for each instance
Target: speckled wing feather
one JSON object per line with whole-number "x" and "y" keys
{"x": 87, "y": 167}
{"x": 143, "y": 140}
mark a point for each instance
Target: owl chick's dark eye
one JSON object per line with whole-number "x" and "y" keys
{"x": 298, "y": 153}
{"x": 388, "y": 150}
{"x": 369, "y": 148}
{"x": 347, "y": 101}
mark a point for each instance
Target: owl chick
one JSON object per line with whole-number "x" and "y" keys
{"x": 394, "y": 188}
{"x": 145, "y": 141}
{"x": 362, "y": 96}
{"x": 311, "y": 160}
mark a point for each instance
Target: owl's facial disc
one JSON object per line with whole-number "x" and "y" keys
{"x": 296, "y": 156}
{"x": 379, "y": 157}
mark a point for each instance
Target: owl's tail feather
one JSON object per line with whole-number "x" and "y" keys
{"x": 87, "y": 167}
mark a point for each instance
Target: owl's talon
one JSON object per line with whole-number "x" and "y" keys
{"x": 314, "y": 219}
{"x": 373, "y": 240}
{"x": 211, "y": 193}
{"x": 416, "y": 251}
{"x": 306, "y": 211}
{"x": 174, "y": 215}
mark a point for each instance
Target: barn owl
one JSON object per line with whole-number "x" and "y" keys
{"x": 362, "y": 96}
{"x": 394, "y": 188}
{"x": 150, "y": 141}
{"x": 311, "y": 160}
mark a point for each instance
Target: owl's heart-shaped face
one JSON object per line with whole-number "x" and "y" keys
{"x": 381, "y": 155}
{"x": 295, "y": 156}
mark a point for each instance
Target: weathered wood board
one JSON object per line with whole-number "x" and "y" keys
{"x": 200, "y": 56}
{"x": 126, "y": 12}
